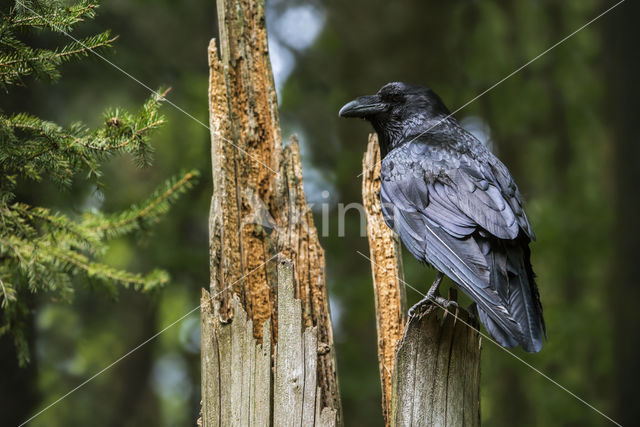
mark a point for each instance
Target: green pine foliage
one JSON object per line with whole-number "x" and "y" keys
{"x": 47, "y": 252}
{"x": 18, "y": 59}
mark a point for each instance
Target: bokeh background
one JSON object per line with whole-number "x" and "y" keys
{"x": 566, "y": 126}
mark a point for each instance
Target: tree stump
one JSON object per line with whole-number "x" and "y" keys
{"x": 250, "y": 318}
{"x": 430, "y": 366}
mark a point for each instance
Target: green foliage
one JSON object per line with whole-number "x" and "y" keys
{"x": 18, "y": 59}
{"x": 33, "y": 148}
{"x": 41, "y": 250}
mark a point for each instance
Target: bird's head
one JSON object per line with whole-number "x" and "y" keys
{"x": 398, "y": 111}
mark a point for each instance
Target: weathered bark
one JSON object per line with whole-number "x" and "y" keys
{"x": 258, "y": 212}
{"x": 237, "y": 379}
{"x": 245, "y": 151}
{"x": 386, "y": 270}
{"x": 297, "y": 399}
{"x": 434, "y": 376}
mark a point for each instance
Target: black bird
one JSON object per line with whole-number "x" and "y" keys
{"x": 456, "y": 207}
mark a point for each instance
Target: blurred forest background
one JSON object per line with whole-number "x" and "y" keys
{"x": 565, "y": 126}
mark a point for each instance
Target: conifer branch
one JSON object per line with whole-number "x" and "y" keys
{"x": 23, "y": 60}
{"x": 69, "y": 51}
{"x": 106, "y": 272}
{"x": 64, "y": 19}
{"x": 140, "y": 216}
{"x": 43, "y": 251}
{"x": 35, "y": 147}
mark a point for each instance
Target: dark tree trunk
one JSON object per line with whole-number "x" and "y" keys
{"x": 623, "y": 69}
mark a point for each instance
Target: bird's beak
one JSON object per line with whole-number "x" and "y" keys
{"x": 363, "y": 106}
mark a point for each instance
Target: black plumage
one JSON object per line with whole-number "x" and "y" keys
{"x": 456, "y": 207}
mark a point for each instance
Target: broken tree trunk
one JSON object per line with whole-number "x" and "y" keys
{"x": 434, "y": 378}
{"x": 246, "y": 383}
{"x": 259, "y": 216}
{"x": 386, "y": 271}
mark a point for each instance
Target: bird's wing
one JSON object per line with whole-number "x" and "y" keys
{"x": 462, "y": 216}
{"x": 477, "y": 189}
{"x": 456, "y": 191}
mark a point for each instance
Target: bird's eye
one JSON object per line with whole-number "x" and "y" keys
{"x": 395, "y": 98}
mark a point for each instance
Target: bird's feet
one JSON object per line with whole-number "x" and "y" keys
{"x": 433, "y": 297}
{"x": 447, "y": 305}
{"x": 417, "y": 307}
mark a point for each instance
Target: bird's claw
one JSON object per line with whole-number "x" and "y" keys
{"x": 433, "y": 296}
{"x": 445, "y": 303}
{"x": 416, "y": 307}
{"x": 433, "y": 299}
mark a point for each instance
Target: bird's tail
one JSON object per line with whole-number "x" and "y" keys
{"x": 513, "y": 278}
{"x": 479, "y": 265}
{"x": 496, "y": 331}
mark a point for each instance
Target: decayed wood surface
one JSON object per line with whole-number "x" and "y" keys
{"x": 245, "y": 151}
{"x": 297, "y": 239}
{"x": 236, "y": 369}
{"x": 386, "y": 270}
{"x": 297, "y": 399}
{"x": 258, "y": 210}
{"x": 430, "y": 366}
{"x": 238, "y": 381}
{"x": 436, "y": 378}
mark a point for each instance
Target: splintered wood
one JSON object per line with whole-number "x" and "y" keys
{"x": 436, "y": 379}
{"x": 238, "y": 381}
{"x": 245, "y": 146}
{"x": 386, "y": 270}
{"x": 258, "y": 214}
{"x": 297, "y": 239}
{"x": 430, "y": 367}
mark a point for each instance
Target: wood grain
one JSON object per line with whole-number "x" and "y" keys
{"x": 386, "y": 271}
{"x": 258, "y": 210}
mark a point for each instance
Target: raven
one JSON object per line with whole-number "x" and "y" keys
{"x": 456, "y": 207}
